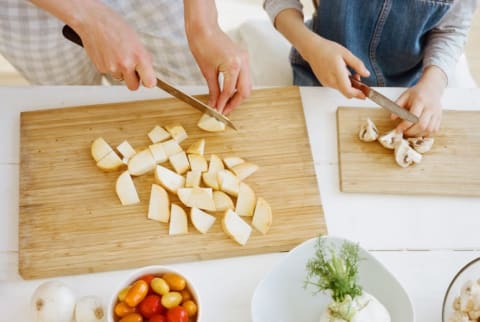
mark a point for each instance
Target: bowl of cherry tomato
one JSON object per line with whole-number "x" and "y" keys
{"x": 155, "y": 294}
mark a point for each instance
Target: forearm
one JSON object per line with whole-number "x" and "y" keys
{"x": 445, "y": 43}
{"x": 290, "y": 24}
{"x": 72, "y": 12}
{"x": 201, "y": 17}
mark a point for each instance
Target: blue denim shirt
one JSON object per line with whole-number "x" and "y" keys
{"x": 388, "y": 36}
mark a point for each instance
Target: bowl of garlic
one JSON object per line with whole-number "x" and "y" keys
{"x": 461, "y": 302}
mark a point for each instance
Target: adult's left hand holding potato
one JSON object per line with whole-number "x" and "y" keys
{"x": 423, "y": 100}
{"x": 216, "y": 53}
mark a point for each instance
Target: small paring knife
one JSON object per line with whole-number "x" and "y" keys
{"x": 71, "y": 35}
{"x": 384, "y": 101}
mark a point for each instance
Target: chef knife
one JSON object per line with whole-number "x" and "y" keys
{"x": 71, "y": 35}
{"x": 384, "y": 101}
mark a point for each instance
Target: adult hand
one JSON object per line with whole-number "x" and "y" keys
{"x": 423, "y": 100}
{"x": 114, "y": 47}
{"x": 216, "y": 53}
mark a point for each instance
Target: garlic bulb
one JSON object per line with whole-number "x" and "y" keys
{"x": 53, "y": 301}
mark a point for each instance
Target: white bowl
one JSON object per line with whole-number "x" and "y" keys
{"x": 469, "y": 272}
{"x": 154, "y": 269}
{"x": 281, "y": 296}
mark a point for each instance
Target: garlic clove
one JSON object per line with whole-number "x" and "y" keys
{"x": 368, "y": 131}
{"x": 421, "y": 144}
{"x": 389, "y": 139}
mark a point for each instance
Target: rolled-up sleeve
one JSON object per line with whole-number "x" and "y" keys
{"x": 274, "y": 7}
{"x": 445, "y": 43}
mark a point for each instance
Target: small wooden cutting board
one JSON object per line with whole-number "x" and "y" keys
{"x": 71, "y": 221}
{"x": 451, "y": 168}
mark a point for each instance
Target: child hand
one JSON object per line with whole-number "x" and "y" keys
{"x": 329, "y": 62}
{"x": 423, "y": 100}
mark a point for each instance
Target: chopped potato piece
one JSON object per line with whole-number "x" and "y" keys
{"x": 99, "y": 149}
{"x": 201, "y": 198}
{"x": 210, "y": 124}
{"x": 110, "y": 162}
{"x": 193, "y": 178}
{"x": 126, "y": 150}
{"x": 141, "y": 163}
{"x": 201, "y": 220}
{"x": 169, "y": 179}
{"x": 177, "y": 132}
{"x": 197, "y": 147}
{"x": 246, "y": 200}
{"x": 158, "y": 134}
{"x": 178, "y": 221}
{"x": 197, "y": 162}
{"x": 125, "y": 189}
{"x": 159, "y": 206}
{"x": 244, "y": 170}
{"x": 158, "y": 153}
{"x": 236, "y": 228}
{"x": 228, "y": 182}
{"x": 262, "y": 217}
{"x": 171, "y": 147}
{"x": 222, "y": 201}
{"x": 230, "y": 162}
{"x": 179, "y": 162}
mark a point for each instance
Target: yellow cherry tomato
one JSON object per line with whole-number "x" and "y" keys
{"x": 171, "y": 299}
{"x": 175, "y": 281}
{"x": 160, "y": 286}
{"x": 133, "y": 317}
{"x": 123, "y": 293}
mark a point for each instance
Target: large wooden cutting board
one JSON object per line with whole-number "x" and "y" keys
{"x": 451, "y": 168}
{"x": 71, "y": 220}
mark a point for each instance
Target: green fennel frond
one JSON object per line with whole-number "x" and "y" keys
{"x": 335, "y": 270}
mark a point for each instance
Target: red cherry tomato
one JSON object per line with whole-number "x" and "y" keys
{"x": 177, "y": 314}
{"x": 158, "y": 318}
{"x": 150, "y": 306}
{"x": 148, "y": 278}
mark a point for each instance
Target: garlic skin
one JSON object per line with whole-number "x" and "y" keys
{"x": 53, "y": 301}
{"x": 89, "y": 309}
{"x": 367, "y": 307}
{"x": 405, "y": 155}
{"x": 389, "y": 139}
{"x": 421, "y": 144}
{"x": 368, "y": 131}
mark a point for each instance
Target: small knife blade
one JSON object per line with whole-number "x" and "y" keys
{"x": 72, "y": 35}
{"x": 384, "y": 101}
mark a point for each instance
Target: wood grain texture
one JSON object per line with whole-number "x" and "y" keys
{"x": 71, "y": 221}
{"x": 450, "y": 168}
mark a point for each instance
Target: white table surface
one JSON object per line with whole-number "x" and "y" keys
{"x": 422, "y": 240}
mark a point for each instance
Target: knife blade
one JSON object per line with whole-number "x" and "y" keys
{"x": 384, "y": 101}
{"x": 72, "y": 35}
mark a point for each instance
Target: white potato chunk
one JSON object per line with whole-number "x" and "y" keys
{"x": 210, "y": 124}
{"x": 262, "y": 217}
{"x": 197, "y": 162}
{"x": 169, "y": 179}
{"x": 244, "y": 170}
{"x": 158, "y": 134}
{"x": 111, "y": 162}
{"x": 201, "y": 198}
{"x": 99, "y": 149}
{"x": 246, "y": 200}
{"x": 235, "y": 227}
{"x": 141, "y": 163}
{"x": 171, "y": 147}
{"x": 159, "y": 206}
{"x": 179, "y": 162}
{"x": 178, "y": 221}
{"x": 193, "y": 178}
{"x": 125, "y": 189}
{"x": 126, "y": 150}
{"x": 201, "y": 220}
{"x": 222, "y": 201}
{"x": 230, "y": 162}
{"x": 197, "y": 147}
{"x": 228, "y": 182}
{"x": 177, "y": 132}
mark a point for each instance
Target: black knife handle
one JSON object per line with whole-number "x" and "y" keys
{"x": 72, "y": 35}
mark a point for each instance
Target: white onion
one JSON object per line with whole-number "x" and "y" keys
{"x": 53, "y": 301}
{"x": 89, "y": 309}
